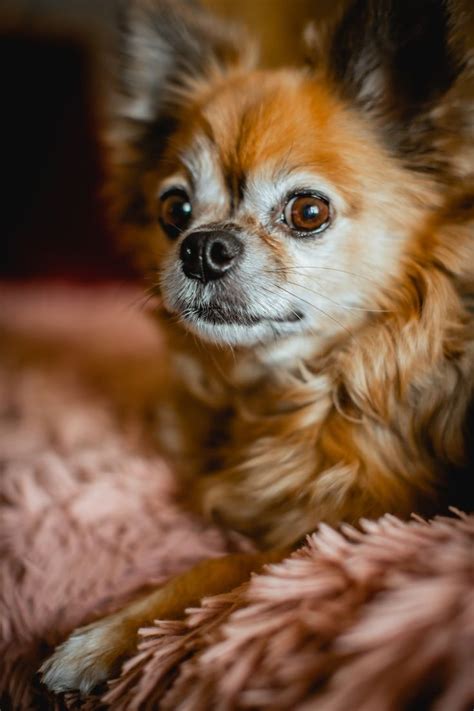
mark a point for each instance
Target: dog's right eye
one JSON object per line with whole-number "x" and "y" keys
{"x": 175, "y": 211}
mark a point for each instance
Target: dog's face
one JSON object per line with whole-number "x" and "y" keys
{"x": 275, "y": 214}
{"x": 270, "y": 209}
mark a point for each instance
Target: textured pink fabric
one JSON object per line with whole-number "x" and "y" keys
{"x": 377, "y": 620}
{"x": 87, "y": 511}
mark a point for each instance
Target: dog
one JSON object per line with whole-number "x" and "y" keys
{"x": 309, "y": 234}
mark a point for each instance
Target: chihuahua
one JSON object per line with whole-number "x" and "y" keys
{"x": 309, "y": 235}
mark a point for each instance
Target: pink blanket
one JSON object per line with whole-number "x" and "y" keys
{"x": 380, "y": 620}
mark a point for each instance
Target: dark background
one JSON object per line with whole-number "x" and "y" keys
{"x": 53, "y": 222}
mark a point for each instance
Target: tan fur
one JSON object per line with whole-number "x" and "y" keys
{"x": 362, "y": 412}
{"x": 365, "y": 414}
{"x": 353, "y": 444}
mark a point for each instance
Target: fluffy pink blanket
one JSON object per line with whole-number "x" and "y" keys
{"x": 376, "y": 620}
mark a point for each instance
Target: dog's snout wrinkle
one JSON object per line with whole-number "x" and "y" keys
{"x": 208, "y": 255}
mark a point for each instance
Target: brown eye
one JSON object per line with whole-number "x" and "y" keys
{"x": 307, "y": 213}
{"x": 175, "y": 211}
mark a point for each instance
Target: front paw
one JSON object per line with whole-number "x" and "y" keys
{"x": 87, "y": 658}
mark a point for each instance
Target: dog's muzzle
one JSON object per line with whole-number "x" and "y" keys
{"x": 209, "y": 255}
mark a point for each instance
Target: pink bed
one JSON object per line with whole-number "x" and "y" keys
{"x": 376, "y": 620}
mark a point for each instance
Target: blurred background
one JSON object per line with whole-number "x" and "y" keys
{"x": 54, "y": 224}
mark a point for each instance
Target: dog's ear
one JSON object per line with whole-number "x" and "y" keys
{"x": 394, "y": 59}
{"x": 167, "y": 48}
{"x": 165, "y": 53}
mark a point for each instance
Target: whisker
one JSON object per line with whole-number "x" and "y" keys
{"x": 142, "y": 300}
{"x": 332, "y": 318}
{"x": 311, "y": 330}
{"x": 274, "y": 293}
{"x": 336, "y": 303}
{"x": 330, "y": 269}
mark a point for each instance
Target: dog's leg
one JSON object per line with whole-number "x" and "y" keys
{"x": 92, "y": 654}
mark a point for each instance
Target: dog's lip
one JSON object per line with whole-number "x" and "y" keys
{"x": 217, "y": 315}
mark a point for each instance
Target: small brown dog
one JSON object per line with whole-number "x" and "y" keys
{"x": 309, "y": 233}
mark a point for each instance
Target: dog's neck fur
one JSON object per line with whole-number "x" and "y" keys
{"x": 362, "y": 426}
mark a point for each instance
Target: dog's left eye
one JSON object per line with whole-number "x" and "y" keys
{"x": 307, "y": 213}
{"x": 175, "y": 211}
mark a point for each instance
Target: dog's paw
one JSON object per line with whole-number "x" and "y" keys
{"x": 87, "y": 658}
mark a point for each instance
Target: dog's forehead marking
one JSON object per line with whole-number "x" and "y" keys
{"x": 259, "y": 190}
{"x": 202, "y": 163}
{"x": 259, "y": 131}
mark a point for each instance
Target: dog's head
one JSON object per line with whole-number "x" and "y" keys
{"x": 269, "y": 203}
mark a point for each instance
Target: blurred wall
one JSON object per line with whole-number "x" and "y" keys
{"x": 277, "y": 23}
{"x": 52, "y": 221}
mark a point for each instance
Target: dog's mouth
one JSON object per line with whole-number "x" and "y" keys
{"x": 218, "y": 315}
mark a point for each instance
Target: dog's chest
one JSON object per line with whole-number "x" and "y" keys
{"x": 212, "y": 377}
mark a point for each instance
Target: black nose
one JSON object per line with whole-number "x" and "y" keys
{"x": 209, "y": 255}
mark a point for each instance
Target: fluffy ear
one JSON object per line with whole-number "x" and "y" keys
{"x": 166, "y": 47}
{"x": 166, "y": 52}
{"x": 395, "y": 59}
